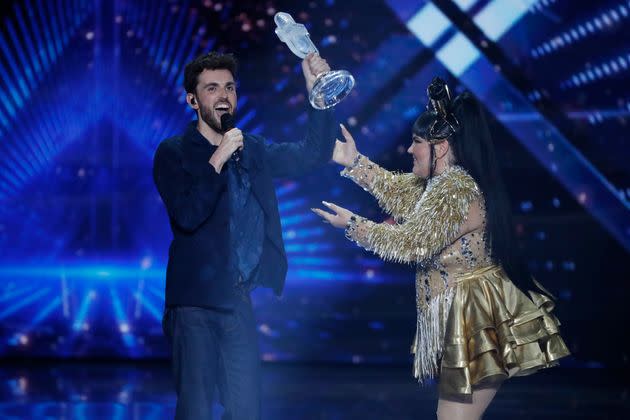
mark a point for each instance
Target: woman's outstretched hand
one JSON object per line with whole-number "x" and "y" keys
{"x": 345, "y": 152}
{"x": 339, "y": 220}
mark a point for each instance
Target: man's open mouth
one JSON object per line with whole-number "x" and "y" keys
{"x": 222, "y": 108}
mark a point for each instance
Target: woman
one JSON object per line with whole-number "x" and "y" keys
{"x": 475, "y": 327}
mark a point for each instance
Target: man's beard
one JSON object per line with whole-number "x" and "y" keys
{"x": 208, "y": 116}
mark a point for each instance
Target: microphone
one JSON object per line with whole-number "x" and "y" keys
{"x": 227, "y": 123}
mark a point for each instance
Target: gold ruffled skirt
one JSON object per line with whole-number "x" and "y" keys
{"x": 485, "y": 327}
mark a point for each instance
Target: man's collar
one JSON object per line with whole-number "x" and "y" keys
{"x": 194, "y": 135}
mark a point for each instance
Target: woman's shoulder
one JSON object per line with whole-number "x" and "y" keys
{"x": 455, "y": 181}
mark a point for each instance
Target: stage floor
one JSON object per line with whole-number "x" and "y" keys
{"x": 142, "y": 390}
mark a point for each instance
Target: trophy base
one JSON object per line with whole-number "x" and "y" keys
{"x": 330, "y": 88}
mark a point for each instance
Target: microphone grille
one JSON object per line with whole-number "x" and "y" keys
{"x": 227, "y": 122}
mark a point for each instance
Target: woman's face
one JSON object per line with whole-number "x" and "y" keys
{"x": 420, "y": 149}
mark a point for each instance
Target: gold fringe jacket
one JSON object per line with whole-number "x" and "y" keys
{"x": 429, "y": 216}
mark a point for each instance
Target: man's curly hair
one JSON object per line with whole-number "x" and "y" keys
{"x": 207, "y": 61}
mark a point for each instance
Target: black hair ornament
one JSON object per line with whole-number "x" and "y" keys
{"x": 440, "y": 104}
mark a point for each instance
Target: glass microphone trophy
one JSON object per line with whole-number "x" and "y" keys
{"x": 330, "y": 87}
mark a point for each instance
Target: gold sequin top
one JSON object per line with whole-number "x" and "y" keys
{"x": 432, "y": 224}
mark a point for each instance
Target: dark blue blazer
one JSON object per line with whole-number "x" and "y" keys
{"x": 199, "y": 272}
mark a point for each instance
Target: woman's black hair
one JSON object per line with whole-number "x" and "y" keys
{"x": 473, "y": 150}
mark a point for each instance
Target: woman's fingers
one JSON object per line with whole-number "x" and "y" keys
{"x": 324, "y": 215}
{"x": 337, "y": 209}
{"x": 346, "y": 134}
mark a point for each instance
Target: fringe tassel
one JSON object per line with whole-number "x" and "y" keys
{"x": 429, "y": 340}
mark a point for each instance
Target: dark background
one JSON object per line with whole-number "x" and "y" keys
{"x": 89, "y": 88}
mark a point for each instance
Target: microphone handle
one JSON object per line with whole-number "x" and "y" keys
{"x": 227, "y": 123}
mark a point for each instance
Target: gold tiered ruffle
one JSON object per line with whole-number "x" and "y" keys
{"x": 494, "y": 330}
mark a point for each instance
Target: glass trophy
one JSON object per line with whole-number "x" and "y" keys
{"x": 330, "y": 87}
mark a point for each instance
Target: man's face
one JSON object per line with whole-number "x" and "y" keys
{"x": 215, "y": 96}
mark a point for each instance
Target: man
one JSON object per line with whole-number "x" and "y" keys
{"x": 217, "y": 187}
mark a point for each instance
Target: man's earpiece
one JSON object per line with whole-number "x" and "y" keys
{"x": 193, "y": 101}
